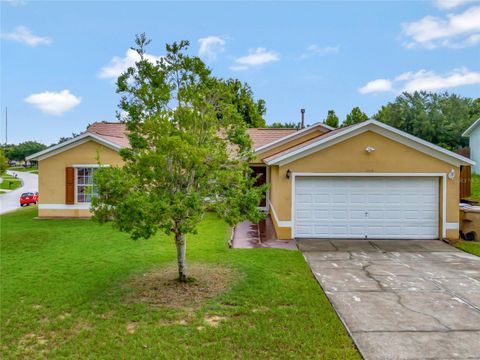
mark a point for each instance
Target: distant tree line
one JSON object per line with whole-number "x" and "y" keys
{"x": 438, "y": 118}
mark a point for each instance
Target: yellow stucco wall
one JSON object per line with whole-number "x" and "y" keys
{"x": 51, "y": 175}
{"x": 349, "y": 156}
{"x": 289, "y": 144}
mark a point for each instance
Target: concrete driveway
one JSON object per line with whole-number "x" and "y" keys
{"x": 10, "y": 200}
{"x": 402, "y": 299}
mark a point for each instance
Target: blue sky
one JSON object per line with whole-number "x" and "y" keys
{"x": 59, "y": 59}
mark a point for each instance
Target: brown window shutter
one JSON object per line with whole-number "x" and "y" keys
{"x": 70, "y": 186}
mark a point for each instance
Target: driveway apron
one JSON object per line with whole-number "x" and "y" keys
{"x": 402, "y": 299}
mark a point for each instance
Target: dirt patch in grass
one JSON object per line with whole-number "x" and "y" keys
{"x": 161, "y": 287}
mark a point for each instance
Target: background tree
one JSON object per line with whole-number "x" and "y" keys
{"x": 3, "y": 162}
{"x": 21, "y": 151}
{"x": 188, "y": 151}
{"x": 252, "y": 111}
{"x": 356, "y": 116}
{"x": 285, "y": 125}
{"x": 331, "y": 119}
{"x": 438, "y": 118}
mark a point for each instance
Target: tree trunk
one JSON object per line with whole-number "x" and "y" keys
{"x": 181, "y": 249}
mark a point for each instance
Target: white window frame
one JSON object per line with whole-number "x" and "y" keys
{"x": 83, "y": 166}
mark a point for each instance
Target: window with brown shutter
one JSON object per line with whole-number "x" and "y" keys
{"x": 70, "y": 186}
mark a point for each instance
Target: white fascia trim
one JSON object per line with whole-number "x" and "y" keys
{"x": 440, "y": 175}
{"x": 375, "y": 126}
{"x": 452, "y": 226}
{"x": 280, "y": 223}
{"x": 470, "y": 129}
{"x": 287, "y": 138}
{"x": 56, "y": 149}
{"x": 84, "y": 206}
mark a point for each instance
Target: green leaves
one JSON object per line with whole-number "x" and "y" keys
{"x": 189, "y": 149}
{"x": 438, "y": 118}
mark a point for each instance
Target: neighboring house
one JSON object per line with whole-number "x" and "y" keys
{"x": 473, "y": 133}
{"x": 366, "y": 181}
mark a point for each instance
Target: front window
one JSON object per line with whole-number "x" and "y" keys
{"x": 85, "y": 187}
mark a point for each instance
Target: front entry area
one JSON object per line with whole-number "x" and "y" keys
{"x": 366, "y": 207}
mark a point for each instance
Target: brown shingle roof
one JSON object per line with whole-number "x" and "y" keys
{"x": 264, "y": 136}
{"x": 306, "y": 143}
{"x": 110, "y": 131}
{"x": 116, "y": 132}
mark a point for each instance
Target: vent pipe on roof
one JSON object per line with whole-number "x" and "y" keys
{"x": 302, "y": 125}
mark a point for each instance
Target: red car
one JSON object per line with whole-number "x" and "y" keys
{"x": 28, "y": 198}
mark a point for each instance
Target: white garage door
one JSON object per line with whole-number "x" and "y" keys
{"x": 366, "y": 207}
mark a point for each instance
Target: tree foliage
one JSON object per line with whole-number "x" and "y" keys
{"x": 252, "y": 111}
{"x": 285, "y": 125}
{"x": 356, "y": 116}
{"x": 3, "y": 162}
{"x": 189, "y": 151}
{"x": 438, "y": 118}
{"x": 21, "y": 151}
{"x": 331, "y": 119}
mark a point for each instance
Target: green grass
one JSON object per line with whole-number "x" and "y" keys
{"x": 23, "y": 168}
{"x": 9, "y": 182}
{"x": 63, "y": 295}
{"x": 472, "y": 247}
{"x": 475, "y": 188}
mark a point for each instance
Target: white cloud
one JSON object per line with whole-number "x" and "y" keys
{"x": 430, "y": 81}
{"x": 119, "y": 65}
{"x": 456, "y": 30}
{"x": 314, "y": 49}
{"x": 255, "y": 57}
{"x": 379, "y": 85}
{"x": 450, "y": 4}
{"x": 23, "y": 35}
{"x": 53, "y": 103}
{"x": 423, "y": 80}
{"x": 211, "y": 46}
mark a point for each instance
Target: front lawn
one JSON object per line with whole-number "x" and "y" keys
{"x": 10, "y": 182}
{"x": 75, "y": 289}
{"x": 475, "y": 188}
{"x": 472, "y": 247}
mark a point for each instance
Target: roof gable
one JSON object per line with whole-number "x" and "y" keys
{"x": 287, "y": 137}
{"x": 471, "y": 128}
{"x": 334, "y": 137}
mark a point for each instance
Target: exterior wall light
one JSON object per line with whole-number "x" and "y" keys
{"x": 288, "y": 174}
{"x": 369, "y": 149}
{"x": 451, "y": 174}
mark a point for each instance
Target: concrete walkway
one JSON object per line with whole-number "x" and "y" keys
{"x": 10, "y": 200}
{"x": 248, "y": 235}
{"x": 402, "y": 299}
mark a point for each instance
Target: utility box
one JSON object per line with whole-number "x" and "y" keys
{"x": 470, "y": 222}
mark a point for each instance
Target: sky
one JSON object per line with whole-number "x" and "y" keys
{"x": 60, "y": 59}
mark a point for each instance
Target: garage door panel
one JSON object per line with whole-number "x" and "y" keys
{"x": 372, "y": 207}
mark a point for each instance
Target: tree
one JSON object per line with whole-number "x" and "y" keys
{"x": 189, "y": 151}
{"x": 21, "y": 151}
{"x": 66, "y": 138}
{"x": 252, "y": 111}
{"x": 3, "y": 162}
{"x": 332, "y": 119}
{"x": 286, "y": 125}
{"x": 438, "y": 118}
{"x": 356, "y": 116}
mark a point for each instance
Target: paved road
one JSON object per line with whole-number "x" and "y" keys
{"x": 10, "y": 200}
{"x": 402, "y": 299}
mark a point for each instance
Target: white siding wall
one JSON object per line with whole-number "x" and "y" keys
{"x": 475, "y": 149}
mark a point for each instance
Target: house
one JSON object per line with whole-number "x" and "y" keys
{"x": 366, "y": 181}
{"x": 473, "y": 133}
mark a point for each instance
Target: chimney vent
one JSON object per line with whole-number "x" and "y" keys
{"x": 302, "y": 125}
